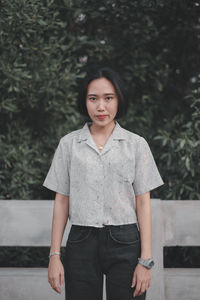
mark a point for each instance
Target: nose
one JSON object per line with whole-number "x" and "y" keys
{"x": 100, "y": 105}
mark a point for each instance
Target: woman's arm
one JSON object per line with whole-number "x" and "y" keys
{"x": 60, "y": 217}
{"x": 143, "y": 209}
{"x": 142, "y": 276}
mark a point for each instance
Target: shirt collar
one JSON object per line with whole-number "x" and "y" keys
{"x": 117, "y": 133}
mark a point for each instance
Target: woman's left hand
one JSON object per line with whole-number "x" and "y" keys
{"x": 142, "y": 279}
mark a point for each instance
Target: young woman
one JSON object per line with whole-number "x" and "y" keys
{"x": 102, "y": 175}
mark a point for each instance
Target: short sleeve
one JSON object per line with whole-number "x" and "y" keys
{"x": 147, "y": 176}
{"x": 58, "y": 179}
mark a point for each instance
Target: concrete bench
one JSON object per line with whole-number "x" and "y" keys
{"x": 28, "y": 223}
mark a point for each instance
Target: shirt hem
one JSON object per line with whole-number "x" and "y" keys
{"x": 147, "y": 189}
{"x": 95, "y": 225}
{"x": 55, "y": 189}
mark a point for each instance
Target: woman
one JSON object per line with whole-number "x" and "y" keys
{"x": 102, "y": 175}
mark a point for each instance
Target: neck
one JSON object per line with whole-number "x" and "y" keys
{"x": 102, "y": 130}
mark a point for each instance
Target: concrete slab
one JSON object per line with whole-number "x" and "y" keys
{"x": 182, "y": 283}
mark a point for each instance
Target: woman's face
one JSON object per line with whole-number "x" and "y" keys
{"x": 101, "y": 101}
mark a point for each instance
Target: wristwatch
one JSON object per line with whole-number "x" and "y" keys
{"x": 147, "y": 263}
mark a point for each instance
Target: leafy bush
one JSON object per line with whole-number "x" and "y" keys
{"x": 45, "y": 48}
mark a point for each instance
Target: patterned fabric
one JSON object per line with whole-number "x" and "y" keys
{"x": 102, "y": 185}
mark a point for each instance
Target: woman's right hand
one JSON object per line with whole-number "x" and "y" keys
{"x": 56, "y": 273}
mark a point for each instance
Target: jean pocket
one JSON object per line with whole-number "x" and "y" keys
{"x": 123, "y": 235}
{"x": 78, "y": 234}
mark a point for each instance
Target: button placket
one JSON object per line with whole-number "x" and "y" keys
{"x": 106, "y": 221}
{"x": 100, "y": 190}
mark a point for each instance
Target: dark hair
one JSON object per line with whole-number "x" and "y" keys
{"x": 113, "y": 77}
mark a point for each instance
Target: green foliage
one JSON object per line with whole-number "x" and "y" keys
{"x": 45, "y": 47}
{"x": 180, "y": 141}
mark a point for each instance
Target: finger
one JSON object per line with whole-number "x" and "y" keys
{"x": 133, "y": 281}
{"x": 137, "y": 289}
{"x": 55, "y": 286}
{"x": 57, "y": 289}
{"x": 143, "y": 288}
{"x": 61, "y": 279}
{"x": 149, "y": 284}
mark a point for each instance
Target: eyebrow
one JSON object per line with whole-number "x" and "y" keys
{"x": 104, "y": 94}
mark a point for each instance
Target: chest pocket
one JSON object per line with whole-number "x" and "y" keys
{"x": 121, "y": 166}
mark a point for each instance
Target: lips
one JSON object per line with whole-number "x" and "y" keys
{"x": 101, "y": 117}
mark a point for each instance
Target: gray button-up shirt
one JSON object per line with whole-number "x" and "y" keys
{"x": 102, "y": 185}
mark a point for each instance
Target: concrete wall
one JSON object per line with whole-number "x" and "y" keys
{"x": 28, "y": 223}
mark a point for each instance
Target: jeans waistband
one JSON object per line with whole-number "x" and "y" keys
{"x": 107, "y": 226}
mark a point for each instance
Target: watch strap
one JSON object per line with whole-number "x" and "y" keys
{"x": 148, "y": 263}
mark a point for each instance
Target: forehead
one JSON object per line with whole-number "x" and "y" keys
{"x": 100, "y": 85}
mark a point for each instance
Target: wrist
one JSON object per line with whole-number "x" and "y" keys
{"x": 54, "y": 257}
{"x": 147, "y": 263}
{"x": 146, "y": 255}
{"x": 55, "y": 254}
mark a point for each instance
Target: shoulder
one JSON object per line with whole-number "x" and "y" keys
{"x": 133, "y": 137}
{"x": 66, "y": 141}
{"x": 135, "y": 142}
{"x": 69, "y": 137}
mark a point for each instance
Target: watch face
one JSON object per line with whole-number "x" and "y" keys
{"x": 151, "y": 263}
{"x": 147, "y": 263}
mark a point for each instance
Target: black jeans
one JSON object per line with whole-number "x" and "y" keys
{"x": 91, "y": 252}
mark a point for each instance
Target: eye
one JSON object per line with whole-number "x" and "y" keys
{"x": 109, "y": 97}
{"x": 91, "y": 98}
